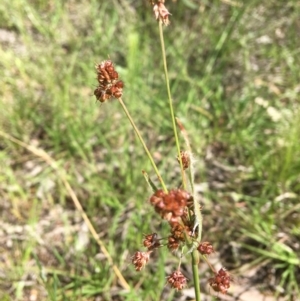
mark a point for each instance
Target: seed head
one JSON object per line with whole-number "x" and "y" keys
{"x": 140, "y": 259}
{"x": 170, "y": 205}
{"x": 109, "y": 83}
{"x": 151, "y": 241}
{"x": 177, "y": 236}
{"x": 160, "y": 11}
{"x": 173, "y": 243}
{"x": 205, "y": 248}
{"x": 178, "y": 231}
{"x": 177, "y": 280}
{"x": 221, "y": 281}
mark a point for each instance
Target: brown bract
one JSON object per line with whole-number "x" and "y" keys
{"x": 185, "y": 159}
{"x": 109, "y": 83}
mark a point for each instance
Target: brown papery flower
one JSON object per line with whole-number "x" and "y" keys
{"x": 173, "y": 243}
{"x": 151, "y": 241}
{"x": 161, "y": 13}
{"x": 109, "y": 83}
{"x": 140, "y": 259}
{"x": 170, "y": 205}
{"x": 177, "y": 280}
{"x": 221, "y": 281}
{"x": 205, "y": 248}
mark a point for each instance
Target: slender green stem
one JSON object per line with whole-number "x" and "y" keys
{"x": 191, "y": 175}
{"x": 143, "y": 143}
{"x": 195, "y": 262}
{"x": 195, "y": 255}
{"x": 170, "y": 100}
{"x": 197, "y": 208}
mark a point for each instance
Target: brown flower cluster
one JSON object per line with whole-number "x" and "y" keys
{"x": 170, "y": 205}
{"x": 140, "y": 259}
{"x": 173, "y": 243}
{"x": 151, "y": 241}
{"x": 205, "y": 248}
{"x": 177, "y": 280}
{"x": 177, "y": 236}
{"x": 160, "y": 11}
{"x": 109, "y": 83}
{"x": 221, "y": 281}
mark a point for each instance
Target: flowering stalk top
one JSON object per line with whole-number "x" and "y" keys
{"x": 160, "y": 11}
{"x": 109, "y": 83}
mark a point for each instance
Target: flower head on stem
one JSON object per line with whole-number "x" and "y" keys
{"x": 140, "y": 259}
{"x": 177, "y": 280}
{"x": 205, "y": 248}
{"x": 170, "y": 205}
{"x": 151, "y": 241}
{"x": 221, "y": 281}
{"x": 109, "y": 83}
{"x": 160, "y": 11}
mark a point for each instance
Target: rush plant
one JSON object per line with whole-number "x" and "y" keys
{"x": 178, "y": 206}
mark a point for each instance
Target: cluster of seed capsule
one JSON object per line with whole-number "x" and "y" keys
{"x": 170, "y": 205}
{"x": 177, "y": 280}
{"x": 205, "y": 248}
{"x": 140, "y": 259}
{"x": 109, "y": 83}
{"x": 160, "y": 11}
{"x": 221, "y": 281}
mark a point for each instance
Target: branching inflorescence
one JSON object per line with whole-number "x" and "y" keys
{"x": 176, "y": 206}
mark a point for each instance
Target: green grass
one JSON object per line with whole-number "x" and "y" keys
{"x": 223, "y": 61}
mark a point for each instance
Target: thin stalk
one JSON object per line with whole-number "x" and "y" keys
{"x": 195, "y": 262}
{"x": 191, "y": 175}
{"x": 195, "y": 255}
{"x": 170, "y": 101}
{"x": 144, "y": 144}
